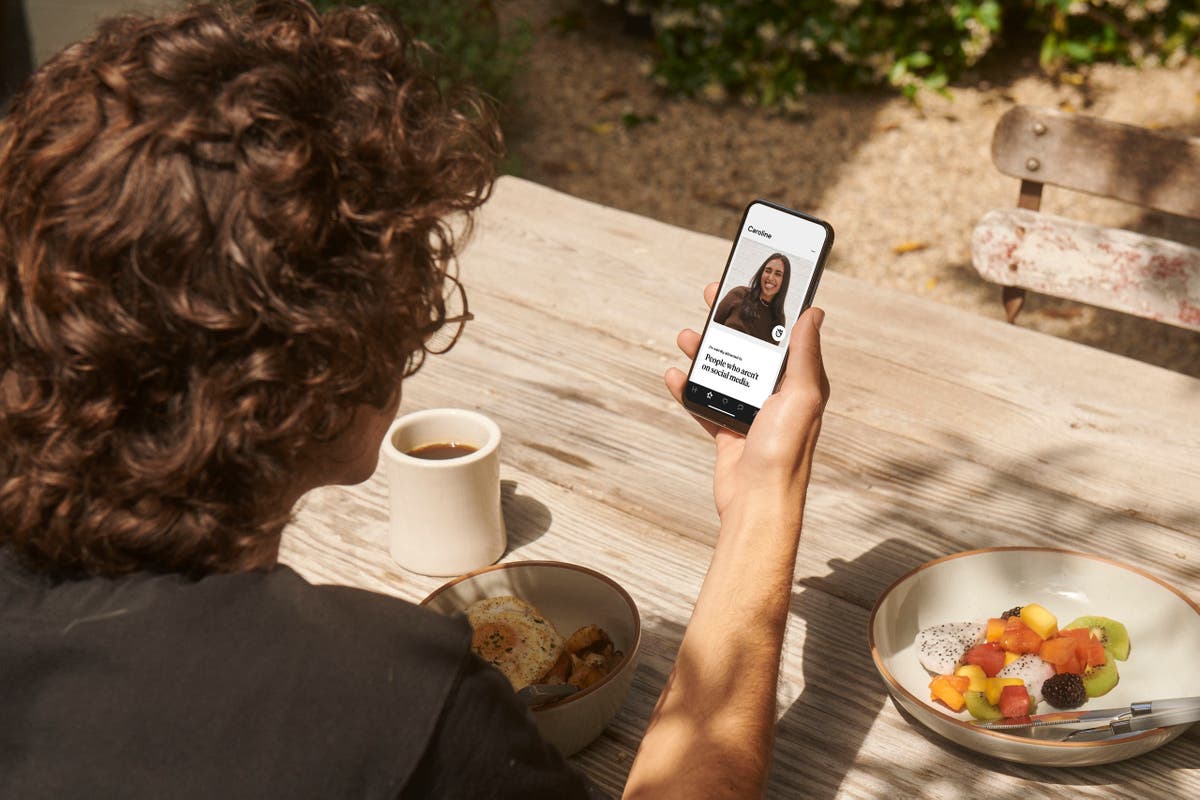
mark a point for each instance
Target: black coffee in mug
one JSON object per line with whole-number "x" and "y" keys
{"x": 440, "y": 451}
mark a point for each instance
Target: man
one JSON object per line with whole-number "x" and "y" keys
{"x": 225, "y": 236}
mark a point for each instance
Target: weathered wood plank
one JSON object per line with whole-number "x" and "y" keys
{"x": 1109, "y": 267}
{"x": 1156, "y": 169}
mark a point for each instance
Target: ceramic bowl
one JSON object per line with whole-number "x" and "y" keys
{"x": 570, "y": 597}
{"x": 1163, "y": 625}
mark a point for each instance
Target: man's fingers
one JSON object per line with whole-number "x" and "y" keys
{"x": 805, "y": 367}
{"x": 689, "y": 342}
{"x": 675, "y": 380}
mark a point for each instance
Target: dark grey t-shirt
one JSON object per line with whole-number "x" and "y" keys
{"x": 255, "y": 685}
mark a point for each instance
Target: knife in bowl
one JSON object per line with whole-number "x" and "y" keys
{"x": 1135, "y": 711}
{"x": 1145, "y": 722}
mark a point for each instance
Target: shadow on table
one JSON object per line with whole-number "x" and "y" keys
{"x": 525, "y": 518}
{"x": 830, "y": 722}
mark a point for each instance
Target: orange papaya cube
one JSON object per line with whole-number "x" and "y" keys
{"x": 995, "y": 629}
{"x": 940, "y": 688}
{"x": 1073, "y": 664}
{"x": 1096, "y": 654}
{"x": 960, "y": 682}
{"x": 1019, "y": 637}
{"x": 1058, "y": 650}
{"x": 1082, "y": 638}
{"x": 1039, "y": 620}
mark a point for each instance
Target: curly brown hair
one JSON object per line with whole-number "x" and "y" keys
{"x": 221, "y": 231}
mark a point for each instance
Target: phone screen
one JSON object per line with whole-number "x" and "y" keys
{"x": 770, "y": 277}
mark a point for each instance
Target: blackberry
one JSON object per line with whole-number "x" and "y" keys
{"x": 1064, "y": 690}
{"x": 1015, "y": 611}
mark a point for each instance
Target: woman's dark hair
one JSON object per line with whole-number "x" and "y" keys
{"x": 752, "y": 306}
{"x": 221, "y": 231}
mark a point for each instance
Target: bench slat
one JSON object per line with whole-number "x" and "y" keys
{"x": 1108, "y": 267}
{"x": 1155, "y": 169}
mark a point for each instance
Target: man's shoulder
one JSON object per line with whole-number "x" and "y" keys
{"x": 285, "y": 610}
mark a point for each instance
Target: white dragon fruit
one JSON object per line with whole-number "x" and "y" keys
{"x": 940, "y": 647}
{"x": 1032, "y": 669}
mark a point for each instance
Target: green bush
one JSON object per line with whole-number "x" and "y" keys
{"x": 465, "y": 34}
{"x": 768, "y": 52}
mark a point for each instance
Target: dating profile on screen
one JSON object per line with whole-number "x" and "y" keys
{"x": 758, "y": 305}
{"x": 767, "y": 279}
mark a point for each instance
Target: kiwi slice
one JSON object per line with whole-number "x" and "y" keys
{"x": 1100, "y": 679}
{"x": 980, "y": 708}
{"x": 1111, "y": 634}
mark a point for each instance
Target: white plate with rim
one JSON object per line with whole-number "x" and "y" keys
{"x": 1163, "y": 625}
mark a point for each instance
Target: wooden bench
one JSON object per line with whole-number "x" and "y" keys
{"x": 1022, "y": 248}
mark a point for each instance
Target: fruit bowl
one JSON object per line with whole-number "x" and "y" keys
{"x": 1163, "y": 626}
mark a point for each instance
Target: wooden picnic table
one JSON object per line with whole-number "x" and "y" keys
{"x": 946, "y": 432}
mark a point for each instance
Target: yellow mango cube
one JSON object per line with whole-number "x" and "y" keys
{"x": 1039, "y": 620}
{"x": 976, "y": 675}
{"x": 1010, "y": 656}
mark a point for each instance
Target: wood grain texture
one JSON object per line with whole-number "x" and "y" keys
{"x": 1155, "y": 169}
{"x": 945, "y": 432}
{"x": 1118, "y": 269}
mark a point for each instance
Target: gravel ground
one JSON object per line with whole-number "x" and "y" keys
{"x": 902, "y": 184}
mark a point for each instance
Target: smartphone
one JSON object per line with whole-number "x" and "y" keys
{"x": 770, "y": 277}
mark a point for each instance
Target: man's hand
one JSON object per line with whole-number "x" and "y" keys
{"x": 775, "y": 455}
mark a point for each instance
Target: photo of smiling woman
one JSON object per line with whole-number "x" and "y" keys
{"x": 757, "y": 309}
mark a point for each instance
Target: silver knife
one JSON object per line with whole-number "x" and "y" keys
{"x": 1134, "y": 724}
{"x": 1135, "y": 711}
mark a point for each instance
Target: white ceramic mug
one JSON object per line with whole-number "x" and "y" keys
{"x": 445, "y": 515}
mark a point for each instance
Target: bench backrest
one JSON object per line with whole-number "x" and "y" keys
{"x": 1150, "y": 168}
{"x": 1021, "y": 249}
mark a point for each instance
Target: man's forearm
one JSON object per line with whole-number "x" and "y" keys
{"x": 712, "y": 731}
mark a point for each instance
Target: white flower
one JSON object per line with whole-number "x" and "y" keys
{"x": 768, "y": 32}
{"x": 675, "y": 19}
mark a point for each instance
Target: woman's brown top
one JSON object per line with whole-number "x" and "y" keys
{"x": 758, "y": 322}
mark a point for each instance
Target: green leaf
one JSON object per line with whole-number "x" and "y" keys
{"x": 989, "y": 15}
{"x": 918, "y": 60}
{"x": 1049, "y": 52}
{"x": 1078, "y": 51}
{"x": 937, "y": 81}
